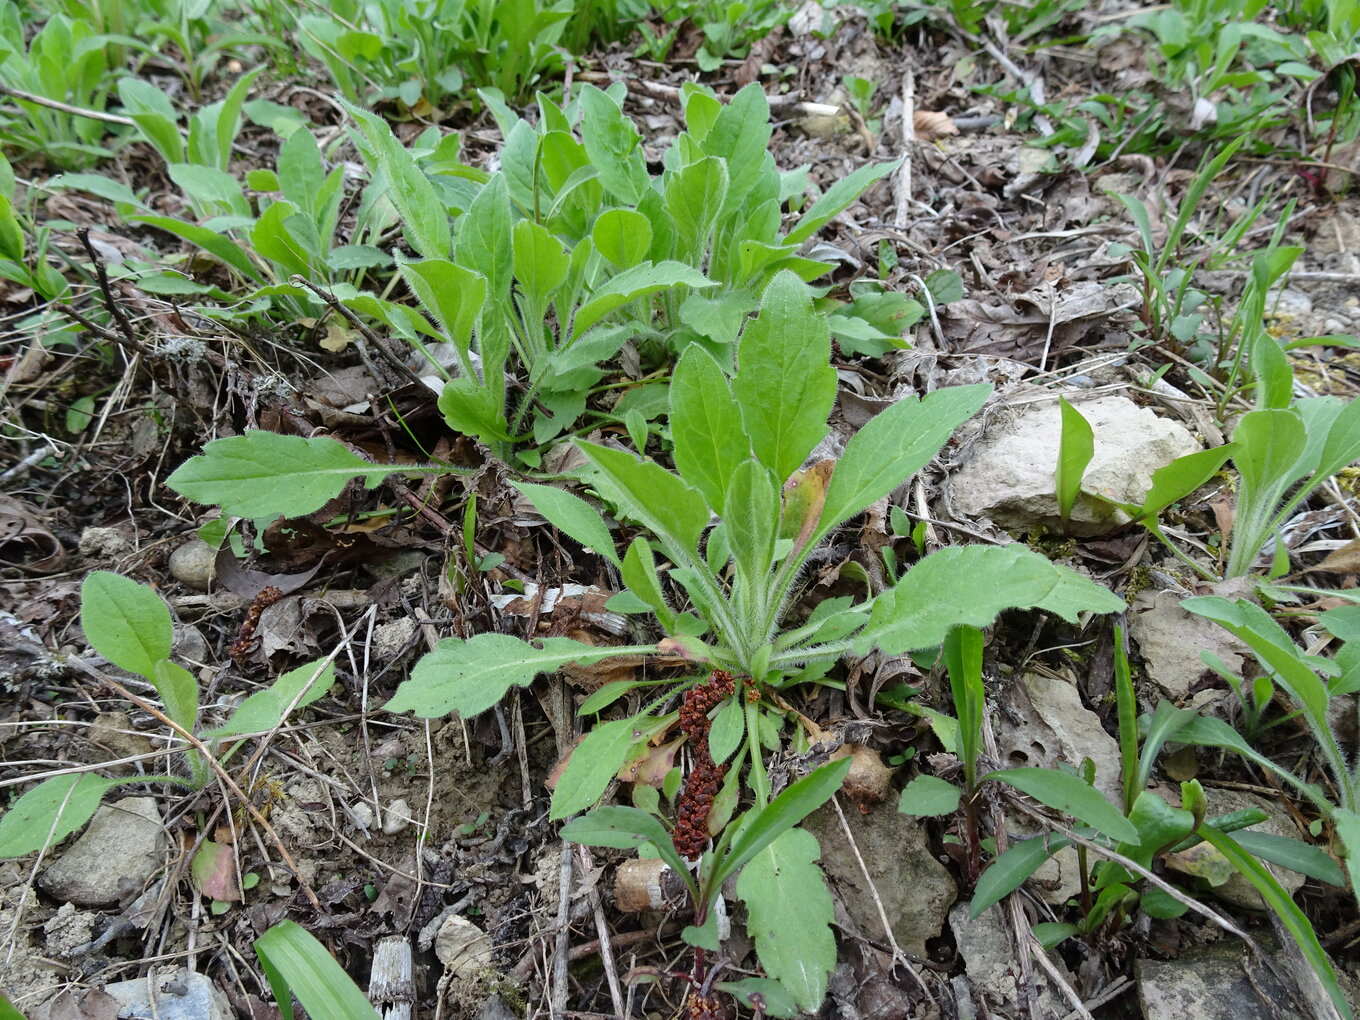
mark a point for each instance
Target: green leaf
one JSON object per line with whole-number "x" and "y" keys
{"x": 1076, "y": 447}
{"x": 469, "y": 676}
{"x": 417, "y": 202}
{"x": 51, "y": 811}
{"x": 632, "y": 284}
{"x": 895, "y": 444}
{"x": 453, "y": 295}
{"x": 178, "y": 690}
{"x": 267, "y": 709}
{"x": 639, "y": 574}
{"x": 1292, "y": 854}
{"x": 540, "y": 261}
{"x": 1347, "y": 829}
{"x": 693, "y": 197}
{"x": 790, "y": 914}
{"x": 770, "y": 997}
{"x": 706, "y": 426}
{"x": 751, "y": 524}
{"x": 1071, "y": 794}
{"x": 260, "y": 474}
{"x": 208, "y": 239}
{"x": 613, "y": 145}
{"x": 651, "y": 495}
{"x": 961, "y": 585}
{"x": 728, "y": 730}
{"x": 796, "y": 802}
{"x": 836, "y": 198}
{"x": 126, "y": 622}
{"x": 1183, "y": 476}
{"x": 623, "y": 236}
{"x": 786, "y": 385}
{"x": 1279, "y": 900}
{"x": 298, "y": 965}
{"x": 1009, "y": 871}
{"x": 484, "y": 238}
{"x": 929, "y": 797}
{"x": 572, "y": 515}
{"x": 626, "y": 828}
{"x": 593, "y": 763}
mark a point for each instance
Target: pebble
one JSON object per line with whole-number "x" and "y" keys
{"x": 194, "y": 564}
{"x": 125, "y": 843}
{"x": 397, "y": 817}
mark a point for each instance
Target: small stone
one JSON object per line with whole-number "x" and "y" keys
{"x": 985, "y": 945}
{"x": 194, "y": 564}
{"x": 114, "y": 730}
{"x": 1288, "y": 303}
{"x": 391, "y": 640}
{"x": 1210, "y": 983}
{"x": 362, "y": 815}
{"x": 68, "y": 929}
{"x": 1170, "y": 638}
{"x": 125, "y": 843}
{"x": 179, "y": 994}
{"x": 105, "y": 544}
{"x": 463, "y": 948}
{"x": 397, "y": 817}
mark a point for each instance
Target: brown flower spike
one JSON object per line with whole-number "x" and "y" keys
{"x": 696, "y": 799}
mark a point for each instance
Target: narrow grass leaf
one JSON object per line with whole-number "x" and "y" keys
{"x": 1076, "y": 446}
{"x": 298, "y": 965}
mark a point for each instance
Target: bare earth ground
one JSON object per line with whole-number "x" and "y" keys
{"x": 393, "y": 821}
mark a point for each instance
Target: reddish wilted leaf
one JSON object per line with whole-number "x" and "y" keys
{"x": 213, "y": 872}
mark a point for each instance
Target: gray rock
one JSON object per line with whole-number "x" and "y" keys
{"x": 1211, "y": 983}
{"x": 1286, "y": 302}
{"x": 1170, "y": 639}
{"x": 915, "y": 889}
{"x": 1010, "y": 476}
{"x": 495, "y": 1008}
{"x": 179, "y": 995}
{"x": 194, "y": 564}
{"x": 1047, "y": 723}
{"x": 985, "y": 945}
{"x": 125, "y": 842}
{"x": 105, "y": 544}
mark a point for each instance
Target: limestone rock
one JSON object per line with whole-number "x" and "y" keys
{"x": 1010, "y": 477}
{"x": 985, "y": 945}
{"x": 1212, "y": 983}
{"x": 1046, "y": 723}
{"x": 125, "y": 843}
{"x": 179, "y": 995}
{"x": 1170, "y": 639}
{"x": 463, "y": 948}
{"x": 916, "y": 890}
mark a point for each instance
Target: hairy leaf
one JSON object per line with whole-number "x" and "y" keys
{"x": 126, "y": 622}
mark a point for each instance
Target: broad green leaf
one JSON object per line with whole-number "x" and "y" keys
{"x": 209, "y": 188}
{"x": 1269, "y": 446}
{"x": 639, "y": 574}
{"x": 1279, "y": 900}
{"x": 623, "y": 236}
{"x": 572, "y": 515}
{"x": 264, "y": 710}
{"x": 1074, "y": 594}
{"x": 178, "y": 690}
{"x": 796, "y": 802}
{"x": 1072, "y": 795}
{"x": 786, "y": 385}
{"x": 751, "y": 523}
{"x": 153, "y": 112}
{"x": 469, "y": 676}
{"x": 961, "y": 585}
{"x": 126, "y": 622}
{"x": 593, "y": 763}
{"x": 613, "y": 145}
{"x": 895, "y": 444}
{"x": 770, "y": 997}
{"x": 789, "y": 915}
{"x": 1183, "y": 476}
{"x": 706, "y": 426}
{"x": 409, "y": 190}
{"x": 298, "y": 965}
{"x": 1076, "y": 446}
{"x": 651, "y": 495}
{"x": 453, "y": 295}
{"x": 626, "y": 828}
{"x": 259, "y": 474}
{"x": 728, "y": 729}
{"x": 540, "y": 261}
{"x": 836, "y": 198}
{"x": 476, "y": 409}
{"x": 50, "y": 812}
{"x": 693, "y": 197}
{"x": 1009, "y": 871}
{"x": 484, "y": 238}
{"x": 1292, "y": 854}
{"x": 1342, "y": 446}
{"x": 632, "y": 284}
{"x": 929, "y": 797}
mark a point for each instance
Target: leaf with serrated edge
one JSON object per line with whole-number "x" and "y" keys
{"x": 470, "y": 676}
{"x": 790, "y": 915}
{"x": 260, "y": 474}
{"x": 786, "y": 384}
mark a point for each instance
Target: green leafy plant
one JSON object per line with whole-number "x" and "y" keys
{"x": 296, "y": 964}
{"x": 65, "y": 62}
{"x": 1142, "y": 829}
{"x": 739, "y": 445}
{"x": 573, "y": 250}
{"x": 423, "y": 51}
{"x": 130, "y": 625}
{"x": 25, "y": 264}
